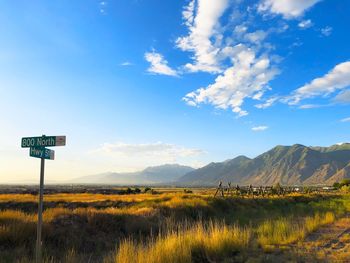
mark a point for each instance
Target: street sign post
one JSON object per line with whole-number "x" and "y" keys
{"x": 41, "y": 152}
{"x": 43, "y": 141}
{"x": 37, "y": 149}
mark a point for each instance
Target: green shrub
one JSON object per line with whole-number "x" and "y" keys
{"x": 345, "y": 188}
{"x": 147, "y": 189}
{"x": 344, "y": 182}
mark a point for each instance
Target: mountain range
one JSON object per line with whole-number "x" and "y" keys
{"x": 287, "y": 165}
{"x": 168, "y": 173}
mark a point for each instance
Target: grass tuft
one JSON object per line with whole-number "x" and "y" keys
{"x": 212, "y": 242}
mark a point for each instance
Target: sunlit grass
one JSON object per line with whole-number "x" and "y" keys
{"x": 213, "y": 241}
{"x": 83, "y": 197}
{"x": 192, "y": 227}
{"x": 287, "y": 230}
{"x": 218, "y": 241}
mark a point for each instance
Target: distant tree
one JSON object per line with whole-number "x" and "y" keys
{"x": 147, "y": 189}
{"x": 277, "y": 186}
{"x": 137, "y": 190}
{"x": 344, "y": 182}
{"x": 154, "y": 192}
{"x": 186, "y": 191}
{"x": 345, "y": 188}
{"x": 129, "y": 191}
{"x": 336, "y": 185}
{"x": 307, "y": 189}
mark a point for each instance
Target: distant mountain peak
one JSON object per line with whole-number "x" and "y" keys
{"x": 239, "y": 158}
{"x": 295, "y": 164}
{"x": 166, "y": 173}
{"x": 242, "y": 157}
{"x": 334, "y": 147}
{"x": 298, "y": 145}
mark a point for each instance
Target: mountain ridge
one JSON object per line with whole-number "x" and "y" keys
{"x": 166, "y": 173}
{"x": 288, "y": 165}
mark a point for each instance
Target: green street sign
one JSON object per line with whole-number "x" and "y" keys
{"x": 43, "y": 141}
{"x": 41, "y": 152}
{"x": 37, "y": 149}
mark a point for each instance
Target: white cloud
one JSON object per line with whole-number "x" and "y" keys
{"x": 336, "y": 79}
{"x": 128, "y": 157}
{"x": 158, "y": 64}
{"x": 158, "y": 149}
{"x": 260, "y": 128}
{"x": 268, "y": 103}
{"x": 235, "y": 49}
{"x": 126, "y": 63}
{"x": 239, "y": 57}
{"x": 240, "y": 29}
{"x": 247, "y": 78}
{"x": 103, "y": 5}
{"x": 188, "y": 13}
{"x": 305, "y": 24}
{"x": 309, "y": 106}
{"x": 201, "y": 17}
{"x": 345, "y": 120}
{"x": 343, "y": 97}
{"x": 326, "y": 31}
{"x": 256, "y": 37}
{"x": 287, "y": 8}
{"x": 296, "y": 44}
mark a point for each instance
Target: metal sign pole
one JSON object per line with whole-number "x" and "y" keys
{"x": 38, "y": 254}
{"x": 38, "y": 149}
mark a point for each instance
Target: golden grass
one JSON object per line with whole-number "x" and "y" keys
{"x": 14, "y": 215}
{"x": 90, "y": 197}
{"x": 215, "y": 241}
{"x": 16, "y": 226}
{"x": 84, "y": 197}
{"x": 263, "y": 222}
{"x": 345, "y": 238}
{"x": 288, "y": 230}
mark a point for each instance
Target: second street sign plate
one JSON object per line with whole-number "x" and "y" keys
{"x": 43, "y": 141}
{"x": 40, "y": 152}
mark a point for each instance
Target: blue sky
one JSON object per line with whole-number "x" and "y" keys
{"x": 140, "y": 83}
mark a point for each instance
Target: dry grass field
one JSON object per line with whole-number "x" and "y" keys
{"x": 169, "y": 226}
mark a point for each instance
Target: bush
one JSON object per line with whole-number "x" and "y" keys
{"x": 147, "y": 189}
{"x": 344, "y": 182}
{"x": 345, "y": 188}
{"x": 336, "y": 185}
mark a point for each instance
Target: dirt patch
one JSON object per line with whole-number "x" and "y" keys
{"x": 330, "y": 243}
